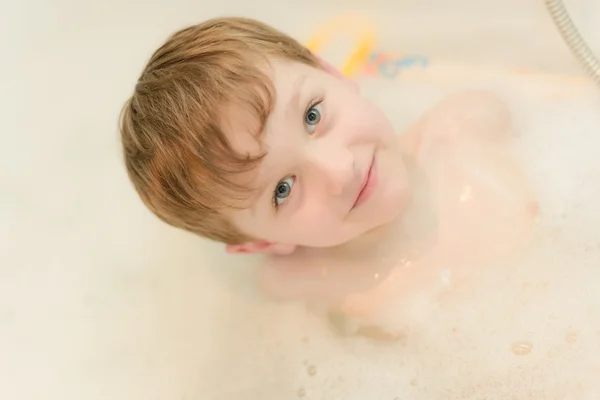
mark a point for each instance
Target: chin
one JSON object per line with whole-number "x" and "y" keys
{"x": 338, "y": 239}
{"x": 392, "y": 205}
{"x": 386, "y": 217}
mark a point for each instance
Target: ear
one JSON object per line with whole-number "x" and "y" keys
{"x": 261, "y": 247}
{"x": 330, "y": 69}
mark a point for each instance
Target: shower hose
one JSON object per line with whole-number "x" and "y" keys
{"x": 573, "y": 39}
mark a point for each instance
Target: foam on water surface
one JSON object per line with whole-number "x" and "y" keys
{"x": 99, "y": 300}
{"x": 512, "y": 331}
{"x": 464, "y": 346}
{"x": 198, "y": 328}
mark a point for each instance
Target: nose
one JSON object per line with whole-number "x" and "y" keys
{"x": 333, "y": 165}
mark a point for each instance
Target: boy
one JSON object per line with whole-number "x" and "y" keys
{"x": 237, "y": 133}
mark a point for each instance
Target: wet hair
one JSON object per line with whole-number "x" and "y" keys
{"x": 176, "y": 153}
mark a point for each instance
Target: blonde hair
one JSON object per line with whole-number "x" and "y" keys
{"x": 176, "y": 153}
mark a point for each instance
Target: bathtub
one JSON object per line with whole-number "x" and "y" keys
{"x": 99, "y": 300}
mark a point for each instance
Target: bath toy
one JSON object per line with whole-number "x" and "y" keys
{"x": 364, "y": 36}
{"x": 364, "y": 57}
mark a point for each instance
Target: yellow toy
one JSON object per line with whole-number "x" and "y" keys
{"x": 364, "y": 37}
{"x": 363, "y": 58}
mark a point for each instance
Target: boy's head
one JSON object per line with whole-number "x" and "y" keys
{"x": 238, "y": 133}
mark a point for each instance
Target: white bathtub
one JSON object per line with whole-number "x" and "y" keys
{"x": 99, "y": 300}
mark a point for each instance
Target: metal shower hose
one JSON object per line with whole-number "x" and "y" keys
{"x": 573, "y": 39}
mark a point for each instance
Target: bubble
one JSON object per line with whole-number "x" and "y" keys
{"x": 521, "y": 347}
{"x": 465, "y": 194}
{"x": 446, "y": 277}
{"x": 533, "y": 208}
{"x": 571, "y": 337}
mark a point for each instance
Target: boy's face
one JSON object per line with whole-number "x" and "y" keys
{"x": 333, "y": 168}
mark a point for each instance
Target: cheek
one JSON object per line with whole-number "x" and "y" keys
{"x": 313, "y": 222}
{"x": 365, "y": 121}
{"x": 313, "y": 215}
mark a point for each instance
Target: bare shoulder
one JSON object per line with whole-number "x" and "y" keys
{"x": 468, "y": 114}
{"x": 472, "y": 113}
{"x": 478, "y": 107}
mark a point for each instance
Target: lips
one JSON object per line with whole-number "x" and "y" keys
{"x": 368, "y": 185}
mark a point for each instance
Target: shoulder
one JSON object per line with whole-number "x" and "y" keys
{"x": 473, "y": 114}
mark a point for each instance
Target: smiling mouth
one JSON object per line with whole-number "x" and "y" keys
{"x": 367, "y": 186}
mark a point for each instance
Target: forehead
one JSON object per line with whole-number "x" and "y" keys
{"x": 251, "y": 137}
{"x": 242, "y": 129}
{"x": 288, "y": 78}
{"x": 245, "y": 131}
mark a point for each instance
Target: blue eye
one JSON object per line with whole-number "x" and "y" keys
{"x": 313, "y": 117}
{"x": 283, "y": 191}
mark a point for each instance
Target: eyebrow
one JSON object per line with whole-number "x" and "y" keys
{"x": 292, "y": 105}
{"x": 294, "y": 100}
{"x": 263, "y": 186}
